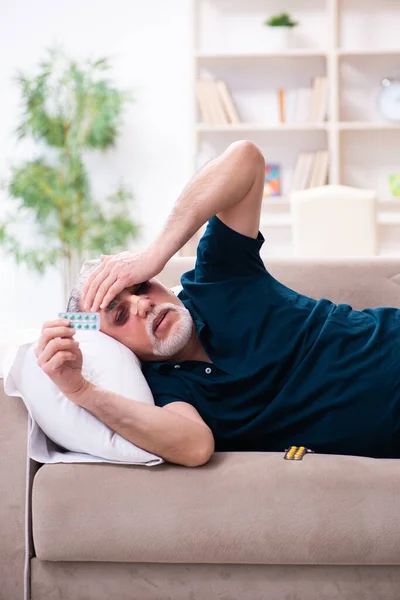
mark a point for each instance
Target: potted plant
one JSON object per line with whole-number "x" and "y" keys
{"x": 71, "y": 110}
{"x": 280, "y": 27}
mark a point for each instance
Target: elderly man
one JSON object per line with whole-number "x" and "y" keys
{"x": 237, "y": 361}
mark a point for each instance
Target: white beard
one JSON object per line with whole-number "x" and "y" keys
{"x": 179, "y": 334}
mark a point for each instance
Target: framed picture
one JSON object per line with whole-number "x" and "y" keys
{"x": 272, "y": 184}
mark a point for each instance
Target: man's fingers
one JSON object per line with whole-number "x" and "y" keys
{"x": 94, "y": 286}
{"x": 104, "y": 289}
{"x": 115, "y": 289}
{"x": 93, "y": 277}
{"x": 54, "y": 323}
{"x": 89, "y": 281}
{"x": 50, "y": 333}
{"x": 56, "y": 361}
{"x": 55, "y": 346}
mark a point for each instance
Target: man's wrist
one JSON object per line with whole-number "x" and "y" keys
{"x": 158, "y": 253}
{"x": 80, "y": 395}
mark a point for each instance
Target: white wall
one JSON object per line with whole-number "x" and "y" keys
{"x": 150, "y": 44}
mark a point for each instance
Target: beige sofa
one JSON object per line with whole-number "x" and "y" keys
{"x": 246, "y": 525}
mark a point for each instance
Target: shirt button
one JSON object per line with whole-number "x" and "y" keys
{"x": 208, "y": 370}
{"x": 177, "y": 366}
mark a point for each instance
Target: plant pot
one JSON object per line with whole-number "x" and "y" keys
{"x": 278, "y": 38}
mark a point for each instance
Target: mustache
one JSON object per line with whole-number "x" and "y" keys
{"x": 166, "y": 306}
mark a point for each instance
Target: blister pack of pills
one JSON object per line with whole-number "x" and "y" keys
{"x": 297, "y": 452}
{"x": 81, "y": 320}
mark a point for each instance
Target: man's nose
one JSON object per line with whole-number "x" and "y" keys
{"x": 141, "y": 306}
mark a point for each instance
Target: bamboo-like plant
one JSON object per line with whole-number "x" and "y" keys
{"x": 70, "y": 109}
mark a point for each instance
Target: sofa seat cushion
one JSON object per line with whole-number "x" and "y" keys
{"x": 240, "y": 508}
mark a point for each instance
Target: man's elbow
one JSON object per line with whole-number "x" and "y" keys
{"x": 201, "y": 455}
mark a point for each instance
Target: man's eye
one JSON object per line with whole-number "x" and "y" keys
{"x": 122, "y": 316}
{"x": 142, "y": 287}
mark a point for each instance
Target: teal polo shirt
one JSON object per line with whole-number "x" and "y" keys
{"x": 286, "y": 369}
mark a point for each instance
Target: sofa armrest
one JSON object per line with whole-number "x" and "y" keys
{"x": 14, "y": 493}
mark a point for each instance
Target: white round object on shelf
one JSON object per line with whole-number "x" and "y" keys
{"x": 389, "y": 99}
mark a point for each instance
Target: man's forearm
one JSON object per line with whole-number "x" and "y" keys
{"x": 171, "y": 436}
{"x": 220, "y": 184}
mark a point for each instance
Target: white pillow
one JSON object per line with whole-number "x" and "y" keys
{"x": 107, "y": 363}
{"x": 177, "y": 289}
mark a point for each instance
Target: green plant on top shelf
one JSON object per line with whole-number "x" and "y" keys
{"x": 281, "y": 20}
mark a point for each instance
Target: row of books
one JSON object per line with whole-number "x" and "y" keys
{"x": 215, "y": 102}
{"x": 217, "y": 106}
{"x": 311, "y": 170}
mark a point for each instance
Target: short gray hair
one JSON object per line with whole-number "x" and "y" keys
{"x": 76, "y": 292}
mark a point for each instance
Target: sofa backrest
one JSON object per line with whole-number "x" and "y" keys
{"x": 361, "y": 282}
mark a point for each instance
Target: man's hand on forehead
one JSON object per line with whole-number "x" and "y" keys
{"x": 116, "y": 272}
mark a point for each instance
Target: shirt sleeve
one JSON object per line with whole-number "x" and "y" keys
{"x": 164, "y": 399}
{"x": 165, "y": 386}
{"x": 224, "y": 254}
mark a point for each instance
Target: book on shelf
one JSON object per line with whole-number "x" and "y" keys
{"x": 227, "y": 102}
{"x": 319, "y": 175}
{"x": 210, "y": 109}
{"x": 202, "y": 102}
{"x": 313, "y": 107}
{"x": 272, "y": 184}
{"x": 301, "y": 109}
{"x": 309, "y": 105}
{"x": 319, "y": 98}
{"x": 323, "y": 101}
{"x": 311, "y": 170}
{"x": 215, "y": 102}
{"x": 281, "y": 105}
{"x": 302, "y": 171}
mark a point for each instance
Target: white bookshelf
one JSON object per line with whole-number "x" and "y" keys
{"x": 355, "y": 44}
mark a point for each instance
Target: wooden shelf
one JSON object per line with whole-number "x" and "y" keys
{"x": 202, "y": 127}
{"x": 391, "y": 219}
{"x": 284, "y": 201}
{"x": 342, "y": 126}
{"x": 367, "y": 125}
{"x": 367, "y": 52}
{"x": 295, "y": 53}
{"x": 285, "y": 220}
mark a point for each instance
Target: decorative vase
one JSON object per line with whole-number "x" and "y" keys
{"x": 278, "y": 38}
